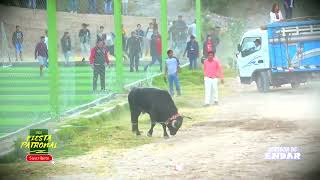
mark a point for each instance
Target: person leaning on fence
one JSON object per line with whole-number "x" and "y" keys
{"x": 41, "y": 53}
{"x": 134, "y": 50}
{"x": 275, "y": 14}
{"x": 171, "y": 70}
{"x": 212, "y": 73}
{"x": 17, "y": 41}
{"x": 84, "y": 36}
{"x": 192, "y": 50}
{"x": 98, "y": 60}
{"x": 66, "y": 47}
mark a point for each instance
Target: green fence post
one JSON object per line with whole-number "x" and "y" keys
{"x": 164, "y": 31}
{"x": 118, "y": 44}
{"x": 53, "y": 67}
{"x": 198, "y": 22}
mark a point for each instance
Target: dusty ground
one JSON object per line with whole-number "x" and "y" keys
{"x": 230, "y": 142}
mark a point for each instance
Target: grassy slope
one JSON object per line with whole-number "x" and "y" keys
{"x": 25, "y": 96}
{"x": 113, "y": 130}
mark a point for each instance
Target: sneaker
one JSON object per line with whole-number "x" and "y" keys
{"x": 206, "y": 105}
{"x": 216, "y": 103}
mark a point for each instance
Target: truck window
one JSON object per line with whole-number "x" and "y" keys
{"x": 250, "y": 45}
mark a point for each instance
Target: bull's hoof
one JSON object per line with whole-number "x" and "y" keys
{"x": 149, "y": 134}
{"x": 166, "y": 137}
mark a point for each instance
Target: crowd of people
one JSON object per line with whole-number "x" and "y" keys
{"x": 142, "y": 43}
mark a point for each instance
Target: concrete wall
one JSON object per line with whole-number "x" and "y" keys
{"x": 34, "y": 23}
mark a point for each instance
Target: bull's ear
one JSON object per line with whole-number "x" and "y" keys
{"x": 173, "y": 123}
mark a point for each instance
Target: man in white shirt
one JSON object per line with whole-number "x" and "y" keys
{"x": 192, "y": 29}
{"x": 257, "y": 44}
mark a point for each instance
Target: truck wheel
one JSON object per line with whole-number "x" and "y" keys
{"x": 295, "y": 85}
{"x": 262, "y": 82}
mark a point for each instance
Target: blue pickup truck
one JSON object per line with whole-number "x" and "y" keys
{"x": 280, "y": 53}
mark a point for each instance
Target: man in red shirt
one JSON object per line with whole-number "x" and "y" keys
{"x": 41, "y": 53}
{"x": 212, "y": 72}
{"x": 98, "y": 59}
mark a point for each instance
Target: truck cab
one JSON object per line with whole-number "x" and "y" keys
{"x": 280, "y": 53}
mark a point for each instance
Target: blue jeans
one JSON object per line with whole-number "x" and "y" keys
{"x": 125, "y": 8}
{"x": 173, "y": 78}
{"x": 193, "y": 63}
{"x": 93, "y": 6}
{"x": 32, "y": 4}
{"x": 73, "y": 5}
{"x": 108, "y": 7}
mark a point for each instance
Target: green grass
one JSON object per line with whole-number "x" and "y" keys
{"x": 112, "y": 131}
{"x": 25, "y": 96}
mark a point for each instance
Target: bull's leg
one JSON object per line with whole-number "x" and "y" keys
{"x": 165, "y": 134}
{"x": 135, "y": 113}
{"x": 151, "y": 128}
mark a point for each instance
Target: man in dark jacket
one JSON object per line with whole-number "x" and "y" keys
{"x": 84, "y": 36}
{"x": 98, "y": 59}
{"x": 66, "y": 46}
{"x": 133, "y": 49}
{"x": 17, "y": 40}
{"x": 192, "y": 50}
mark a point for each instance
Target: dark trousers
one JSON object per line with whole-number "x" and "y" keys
{"x": 134, "y": 62}
{"x": 288, "y": 12}
{"x": 154, "y": 59}
{"x": 193, "y": 63}
{"x": 99, "y": 70}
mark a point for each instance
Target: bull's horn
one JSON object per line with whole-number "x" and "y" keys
{"x": 186, "y": 117}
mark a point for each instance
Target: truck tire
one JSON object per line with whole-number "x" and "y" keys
{"x": 295, "y": 85}
{"x": 262, "y": 82}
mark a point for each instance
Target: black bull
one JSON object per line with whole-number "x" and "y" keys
{"x": 159, "y": 105}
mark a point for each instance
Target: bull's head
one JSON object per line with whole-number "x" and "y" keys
{"x": 174, "y": 125}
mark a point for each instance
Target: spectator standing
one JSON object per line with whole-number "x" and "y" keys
{"x": 134, "y": 49}
{"x": 66, "y": 47}
{"x": 73, "y": 6}
{"x": 193, "y": 29}
{"x": 46, "y": 63}
{"x": 100, "y": 34}
{"x": 155, "y": 50}
{"x": 110, "y": 42}
{"x": 192, "y": 50}
{"x": 41, "y": 53}
{"x": 140, "y": 34}
{"x": 108, "y": 6}
{"x": 84, "y": 36}
{"x": 181, "y": 29}
{"x": 173, "y": 35}
{"x": 172, "y": 69}
{"x": 207, "y": 46}
{"x": 275, "y": 14}
{"x": 92, "y": 6}
{"x": 288, "y": 7}
{"x": 149, "y": 33}
{"x": 98, "y": 59}
{"x": 124, "y": 37}
{"x": 125, "y": 7}
{"x": 214, "y": 33}
{"x": 17, "y": 41}
{"x": 212, "y": 72}
{"x": 155, "y": 24}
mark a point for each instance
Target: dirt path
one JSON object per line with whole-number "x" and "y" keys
{"x": 228, "y": 144}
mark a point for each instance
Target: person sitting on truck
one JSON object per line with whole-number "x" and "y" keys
{"x": 275, "y": 14}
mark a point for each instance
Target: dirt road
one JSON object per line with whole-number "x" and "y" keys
{"x": 229, "y": 143}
